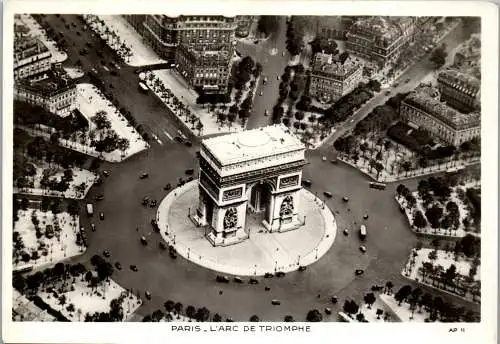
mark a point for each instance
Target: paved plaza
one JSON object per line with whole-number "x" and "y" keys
{"x": 262, "y": 252}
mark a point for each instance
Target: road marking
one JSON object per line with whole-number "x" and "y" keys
{"x": 168, "y": 135}
{"x": 182, "y": 135}
{"x": 157, "y": 139}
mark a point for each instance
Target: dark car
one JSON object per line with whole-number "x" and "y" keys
{"x": 238, "y": 280}
{"x": 134, "y": 268}
{"x": 335, "y": 299}
{"x": 302, "y": 268}
{"x": 144, "y": 175}
{"x": 222, "y": 279}
{"x": 365, "y": 217}
{"x": 145, "y": 201}
{"x": 268, "y": 275}
{"x": 99, "y": 197}
{"x": 275, "y": 302}
{"x": 101, "y": 215}
{"x": 99, "y": 53}
{"x": 106, "y": 254}
{"x": 345, "y": 199}
{"x": 253, "y": 281}
{"x": 280, "y": 274}
{"x": 327, "y": 194}
{"x": 147, "y": 294}
{"x": 93, "y": 227}
{"x": 359, "y": 272}
{"x": 88, "y": 44}
{"x": 114, "y": 72}
{"x": 105, "y": 173}
{"x": 189, "y": 171}
{"x": 162, "y": 245}
{"x": 118, "y": 266}
{"x": 188, "y": 143}
{"x": 144, "y": 241}
{"x": 346, "y": 232}
{"x": 178, "y": 139}
{"x": 155, "y": 225}
{"x": 167, "y": 187}
{"x": 172, "y": 254}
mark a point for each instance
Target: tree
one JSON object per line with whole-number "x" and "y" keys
{"x": 105, "y": 270}
{"x": 388, "y": 287}
{"x": 203, "y": 314}
{"x": 314, "y": 315}
{"x": 402, "y": 294}
{"x": 216, "y": 318}
{"x": 369, "y": 299}
{"x": 178, "y": 307}
{"x": 96, "y": 260}
{"x": 101, "y": 120}
{"x": 190, "y": 312}
{"x": 254, "y": 318}
{"x": 379, "y": 313}
{"x": 350, "y": 307}
{"x": 433, "y": 215}
{"x": 360, "y": 317}
{"x": 299, "y": 116}
{"x": 439, "y": 57}
{"x": 470, "y": 245}
{"x": 433, "y": 255}
{"x": 169, "y": 306}
{"x": 157, "y": 315}
{"x": 419, "y": 220}
{"x": 288, "y": 318}
{"x": 268, "y": 24}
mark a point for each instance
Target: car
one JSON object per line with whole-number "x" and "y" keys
{"x": 362, "y": 248}
{"x": 264, "y": 80}
{"x": 267, "y": 288}
{"x": 395, "y": 84}
{"x": 345, "y": 199}
{"x": 275, "y": 302}
{"x": 327, "y": 194}
{"x": 178, "y": 139}
{"x": 111, "y": 85}
{"x": 387, "y": 93}
{"x": 307, "y": 182}
{"x": 278, "y": 77}
{"x": 238, "y": 280}
{"x": 144, "y": 175}
{"x": 83, "y": 52}
{"x": 302, "y": 268}
{"x": 359, "y": 272}
{"x": 283, "y": 53}
{"x": 172, "y": 254}
{"x": 222, "y": 279}
{"x": 105, "y": 173}
{"x": 162, "y": 245}
{"x": 147, "y": 294}
{"x": 253, "y": 281}
{"x": 189, "y": 171}
{"x": 266, "y": 112}
{"x": 153, "y": 203}
{"x": 114, "y": 64}
{"x": 134, "y": 268}
{"x": 188, "y": 143}
{"x": 145, "y": 201}
{"x": 407, "y": 80}
{"x": 114, "y": 72}
{"x": 101, "y": 215}
{"x": 106, "y": 254}
{"x": 118, "y": 266}
{"x": 328, "y": 310}
{"x": 99, "y": 197}
{"x": 93, "y": 227}
{"x": 260, "y": 94}
{"x": 155, "y": 225}
{"x": 346, "y": 232}
{"x": 67, "y": 26}
{"x": 78, "y": 33}
{"x": 365, "y": 217}
{"x": 323, "y": 158}
{"x": 167, "y": 187}
{"x": 268, "y": 275}
{"x": 280, "y": 274}
{"x": 144, "y": 241}
{"x": 88, "y": 44}
{"x": 402, "y": 209}
{"x": 335, "y": 299}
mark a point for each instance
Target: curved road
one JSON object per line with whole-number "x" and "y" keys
{"x": 389, "y": 239}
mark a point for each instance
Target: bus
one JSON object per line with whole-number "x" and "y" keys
{"x": 143, "y": 87}
{"x": 90, "y": 209}
{"x": 362, "y": 232}
{"x": 380, "y": 186}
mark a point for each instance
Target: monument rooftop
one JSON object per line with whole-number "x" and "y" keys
{"x": 252, "y": 144}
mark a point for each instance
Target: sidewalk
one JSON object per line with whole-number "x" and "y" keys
{"x": 262, "y": 252}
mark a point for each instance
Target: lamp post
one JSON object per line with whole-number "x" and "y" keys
{"x": 275, "y": 265}
{"x": 255, "y": 271}
{"x": 298, "y": 260}
{"x": 189, "y": 250}
{"x": 174, "y": 239}
{"x": 316, "y": 253}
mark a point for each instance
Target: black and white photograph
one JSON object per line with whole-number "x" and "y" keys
{"x": 184, "y": 167}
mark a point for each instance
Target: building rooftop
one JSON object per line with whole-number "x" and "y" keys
{"x": 26, "y": 46}
{"x": 384, "y": 28}
{"x": 48, "y": 82}
{"x": 471, "y": 48}
{"x": 462, "y": 81}
{"x": 252, "y": 144}
{"x": 330, "y": 65}
{"x": 421, "y": 99}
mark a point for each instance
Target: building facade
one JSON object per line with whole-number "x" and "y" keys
{"x": 469, "y": 53}
{"x": 252, "y": 173}
{"x": 459, "y": 90}
{"x": 243, "y": 25}
{"x": 208, "y": 70}
{"x": 31, "y": 57}
{"x": 422, "y": 108}
{"x": 53, "y": 90}
{"x": 331, "y": 79}
{"x": 382, "y": 39}
{"x": 177, "y": 39}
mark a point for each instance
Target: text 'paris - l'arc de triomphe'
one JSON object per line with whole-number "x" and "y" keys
{"x": 255, "y": 173}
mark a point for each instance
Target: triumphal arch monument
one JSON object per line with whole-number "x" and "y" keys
{"x": 251, "y": 173}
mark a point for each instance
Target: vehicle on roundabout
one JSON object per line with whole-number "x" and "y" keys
{"x": 365, "y": 217}
{"x": 99, "y": 197}
{"x": 328, "y": 310}
{"x": 323, "y": 158}
{"x": 93, "y": 227}
{"x": 144, "y": 241}
{"x": 275, "y": 302}
{"x": 302, "y": 268}
{"x": 162, "y": 245}
{"x": 101, "y": 215}
{"x": 154, "y": 223}
{"x": 327, "y": 194}
{"x": 362, "y": 248}
{"x": 260, "y": 94}
{"x": 147, "y": 294}
{"x": 167, "y": 187}
{"x": 359, "y": 272}
{"x": 118, "y": 266}
{"x": 106, "y": 254}
{"x": 346, "y": 232}
{"x": 237, "y": 280}
{"x": 335, "y": 299}
{"x": 153, "y": 203}
{"x": 345, "y": 199}
{"x": 222, "y": 279}
{"x": 268, "y": 275}
{"x": 134, "y": 268}
{"x": 144, "y": 175}
{"x": 145, "y": 201}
